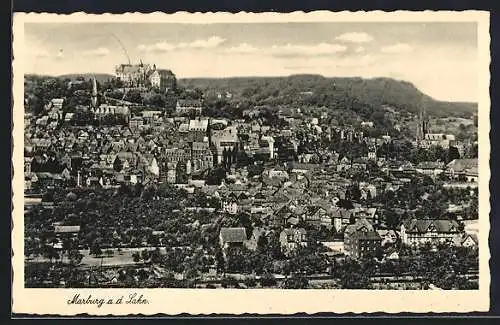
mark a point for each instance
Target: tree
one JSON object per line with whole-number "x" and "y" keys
{"x": 250, "y": 282}
{"x": 145, "y": 255}
{"x": 228, "y": 282}
{"x": 216, "y": 176}
{"x": 221, "y": 263}
{"x": 136, "y": 257}
{"x": 117, "y": 165}
{"x": 95, "y": 249}
{"x": 262, "y": 244}
{"x": 453, "y": 153}
{"x": 134, "y": 96}
{"x": 267, "y": 280}
{"x": 352, "y": 276}
{"x": 296, "y": 282}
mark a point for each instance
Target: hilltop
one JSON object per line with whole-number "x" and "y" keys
{"x": 100, "y": 77}
{"x": 401, "y": 95}
{"x": 353, "y": 94}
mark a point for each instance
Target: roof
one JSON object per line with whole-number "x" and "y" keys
{"x": 430, "y": 165}
{"x": 423, "y": 225}
{"x": 367, "y": 235}
{"x": 129, "y": 68}
{"x": 359, "y": 225}
{"x": 233, "y": 235}
{"x": 463, "y": 164}
{"x": 198, "y": 124}
{"x": 150, "y": 113}
{"x": 66, "y": 229}
{"x": 460, "y": 240}
{"x": 200, "y": 145}
{"x": 292, "y": 231}
{"x": 165, "y": 72}
{"x": 472, "y": 171}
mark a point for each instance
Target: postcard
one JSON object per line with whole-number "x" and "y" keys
{"x": 251, "y": 163}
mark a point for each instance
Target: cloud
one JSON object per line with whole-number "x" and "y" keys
{"x": 211, "y": 42}
{"x": 101, "y": 51}
{"x": 355, "y": 37}
{"x": 397, "y": 48}
{"x": 243, "y": 48}
{"x": 157, "y": 47}
{"x": 307, "y": 50}
{"x": 59, "y": 55}
{"x": 359, "y": 49}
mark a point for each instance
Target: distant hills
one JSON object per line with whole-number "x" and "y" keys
{"x": 401, "y": 95}
{"x": 99, "y": 77}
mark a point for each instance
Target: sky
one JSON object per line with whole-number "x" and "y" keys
{"x": 440, "y": 58}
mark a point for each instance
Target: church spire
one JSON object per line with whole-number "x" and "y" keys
{"x": 94, "y": 93}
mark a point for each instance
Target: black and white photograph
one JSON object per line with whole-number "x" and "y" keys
{"x": 327, "y": 155}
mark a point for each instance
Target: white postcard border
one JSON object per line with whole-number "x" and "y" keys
{"x": 258, "y": 301}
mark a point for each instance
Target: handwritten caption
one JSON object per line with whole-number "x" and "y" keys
{"x": 131, "y": 299}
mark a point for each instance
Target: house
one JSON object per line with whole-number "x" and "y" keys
{"x": 372, "y": 154}
{"x": 438, "y": 139}
{"x": 232, "y": 237}
{"x": 430, "y": 168}
{"x": 361, "y": 240}
{"x": 230, "y": 205}
{"x": 335, "y": 245}
{"x": 416, "y": 232}
{"x": 291, "y": 239}
{"x": 198, "y": 125}
{"x": 225, "y": 142}
{"x": 188, "y": 106}
{"x": 466, "y": 240}
{"x": 133, "y": 75}
{"x": 459, "y": 167}
{"x": 116, "y": 110}
{"x": 367, "y": 190}
{"x": 388, "y": 236}
{"x": 163, "y": 80}
{"x": 370, "y": 214}
{"x": 465, "y": 170}
{"x": 318, "y": 216}
{"x": 344, "y": 164}
{"x": 281, "y": 215}
{"x": 66, "y": 231}
{"x": 268, "y": 143}
{"x": 276, "y": 173}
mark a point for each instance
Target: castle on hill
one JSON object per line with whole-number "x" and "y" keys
{"x": 146, "y": 76}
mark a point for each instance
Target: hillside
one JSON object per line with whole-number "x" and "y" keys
{"x": 402, "y": 95}
{"x": 100, "y": 77}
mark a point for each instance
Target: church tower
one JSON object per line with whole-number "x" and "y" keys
{"x": 93, "y": 99}
{"x": 423, "y": 123}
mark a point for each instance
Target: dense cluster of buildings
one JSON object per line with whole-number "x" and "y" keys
{"x": 294, "y": 189}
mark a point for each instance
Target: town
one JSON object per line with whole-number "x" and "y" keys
{"x": 143, "y": 180}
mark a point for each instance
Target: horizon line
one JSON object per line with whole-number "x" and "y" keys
{"x": 263, "y": 77}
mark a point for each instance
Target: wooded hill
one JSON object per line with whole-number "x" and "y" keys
{"x": 322, "y": 91}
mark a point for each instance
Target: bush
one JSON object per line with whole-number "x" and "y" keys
{"x": 250, "y": 282}
{"x": 267, "y": 280}
{"x": 296, "y": 282}
{"x": 228, "y": 282}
